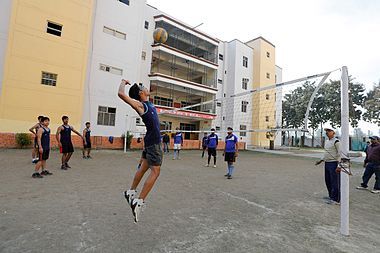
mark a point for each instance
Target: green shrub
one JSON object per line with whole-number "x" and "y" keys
{"x": 23, "y": 140}
{"x": 129, "y": 139}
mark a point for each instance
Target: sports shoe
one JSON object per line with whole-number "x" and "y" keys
{"x": 207, "y": 165}
{"x": 84, "y": 157}
{"x": 361, "y": 188}
{"x": 67, "y": 165}
{"x": 375, "y": 191}
{"x": 46, "y": 173}
{"x": 130, "y": 196}
{"x": 35, "y": 160}
{"x": 63, "y": 167}
{"x": 89, "y": 157}
{"x": 137, "y": 207}
{"x": 214, "y": 166}
{"x": 229, "y": 177}
{"x": 37, "y": 175}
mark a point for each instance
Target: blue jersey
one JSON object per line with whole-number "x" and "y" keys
{"x": 204, "y": 141}
{"x": 66, "y": 134}
{"x": 152, "y": 124}
{"x": 231, "y": 141}
{"x": 45, "y": 138}
{"x": 88, "y": 135}
{"x": 178, "y": 138}
{"x": 212, "y": 141}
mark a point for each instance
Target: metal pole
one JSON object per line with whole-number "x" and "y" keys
{"x": 344, "y": 177}
{"x": 125, "y": 133}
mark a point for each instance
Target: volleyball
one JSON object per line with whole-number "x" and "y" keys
{"x": 160, "y": 35}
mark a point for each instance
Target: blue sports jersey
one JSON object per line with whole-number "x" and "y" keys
{"x": 152, "y": 124}
{"x": 66, "y": 134}
{"x": 204, "y": 141}
{"x": 178, "y": 138}
{"x": 45, "y": 138}
{"x": 212, "y": 141}
{"x": 231, "y": 141}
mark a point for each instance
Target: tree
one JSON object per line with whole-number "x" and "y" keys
{"x": 372, "y": 105}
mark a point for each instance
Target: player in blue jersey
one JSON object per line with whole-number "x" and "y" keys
{"x": 230, "y": 151}
{"x": 178, "y": 141}
{"x": 212, "y": 144}
{"x": 138, "y": 99}
{"x": 43, "y": 144}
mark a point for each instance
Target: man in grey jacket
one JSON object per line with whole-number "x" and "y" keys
{"x": 331, "y": 157}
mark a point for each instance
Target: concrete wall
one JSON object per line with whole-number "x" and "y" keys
{"x": 31, "y": 50}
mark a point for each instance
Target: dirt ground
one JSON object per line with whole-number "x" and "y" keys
{"x": 273, "y": 204}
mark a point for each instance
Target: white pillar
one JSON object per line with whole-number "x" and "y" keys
{"x": 125, "y": 133}
{"x": 344, "y": 177}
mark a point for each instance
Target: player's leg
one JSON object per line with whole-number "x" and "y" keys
{"x": 68, "y": 156}
{"x": 376, "y": 188}
{"x": 214, "y": 154}
{"x": 209, "y": 153}
{"x": 37, "y": 168}
{"x": 368, "y": 172}
{"x": 88, "y": 152}
{"x": 335, "y": 183}
{"x": 328, "y": 179}
{"x": 139, "y": 174}
{"x": 63, "y": 166}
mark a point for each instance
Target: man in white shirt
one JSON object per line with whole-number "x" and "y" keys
{"x": 331, "y": 157}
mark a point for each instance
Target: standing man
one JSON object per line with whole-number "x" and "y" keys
{"x": 331, "y": 158}
{"x": 43, "y": 142}
{"x": 178, "y": 141}
{"x": 63, "y": 137}
{"x": 87, "y": 143}
{"x": 230, "y": 152}
{"x": 372, "y": 165}
{"x": 212, "y": 144}
{"x": 138, "y": 99}
{"x": 166, "y": 142}
{"x": 34, "y": 130}
{"x": 204, "y": 144}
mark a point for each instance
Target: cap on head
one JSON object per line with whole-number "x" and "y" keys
{"x": 375, "y": 138}
{"x": 329, "y": 129}
{"x": 212, "y": 129}
{"x": 134, "y": 91}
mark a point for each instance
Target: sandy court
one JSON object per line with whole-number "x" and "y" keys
{"x": 273, "y": 204}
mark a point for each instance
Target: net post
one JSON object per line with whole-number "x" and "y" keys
{"x": 344, "y": 177}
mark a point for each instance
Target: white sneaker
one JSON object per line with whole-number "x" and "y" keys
{"x": 361, "y": 188}
{"x": 137, "y": 207}
{"x": 207, "y": 165}
{"x": 332, "y": 202}
{"x": 130, "y": 195}
{"x": 375, "y": 191}
{"x": 214, "y": 166}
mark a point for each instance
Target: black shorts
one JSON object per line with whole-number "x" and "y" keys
{"x": 212, "y": 151}
{"x": 153, "y": 154}
{"x": 35, "y": 142}
{"x": 230, "y": 157}
{"x": 45, "y": 155}
{"x": 88, "y": 145}
{"x": 67, "y": 148}
{"x": 204, "y": 147}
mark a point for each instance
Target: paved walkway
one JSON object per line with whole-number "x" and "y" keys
{"x": 355, "y": 156}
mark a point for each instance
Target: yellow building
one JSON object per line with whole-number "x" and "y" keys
{"x": 264, "y": 103}
{"x": 45, "y": 62}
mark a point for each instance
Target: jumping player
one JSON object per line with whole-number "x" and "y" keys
{"x": 34, "y": 130}
{"x": 230, "y": 152}
{"x": 212, "y": 144}
{"x": 152, "y": 153}
{"x": 63, "y": 137}
{"x": 178, "y": 141}
{"x": 43, "y": 142}
{"x": 87, "y": 144}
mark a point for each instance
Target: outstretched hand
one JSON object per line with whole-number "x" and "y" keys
{"x": 318, "y": 162}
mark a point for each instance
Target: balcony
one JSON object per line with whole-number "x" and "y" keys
{"x": 188, "y": 40}
{"x": 181, "y": 69}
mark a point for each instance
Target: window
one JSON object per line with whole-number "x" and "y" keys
{"x": 221, "y": 57}
{"x": 267, "y": 118}
{"x": 146, "y": 25}
{"x": 268, "y": 55}
{"x": 224, "y": 94}
{"x": 106, "y": 116}
{"x": 243, "y": 127}
{"x": 220, "y": 81}
{"x": 163, "y": 101}
{"x": 245, "y": 61}
{"x": 267, "y": 96}
{"x": 244, "y": 106}
{"x": 124, "y": 1}
{"x": 217, "y": 128}
{"x": 54, "y": 28}
{"x": 245, "y": 83}
{"x": 114, "y": 32}
{"x": 166, "y": 125}
{"x": 49, "y": 79}
{"x": 143, "y": 55}
{"x": 268, "y": 75}
{"x": 111, "y": 69}
{"x": 218, "y": 104}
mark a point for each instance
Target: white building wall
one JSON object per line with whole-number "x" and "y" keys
{"x": 5, "y": 12}
{"x": 125, "y": 54}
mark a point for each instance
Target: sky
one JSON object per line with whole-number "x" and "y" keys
{"x": 311, "y": 36}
